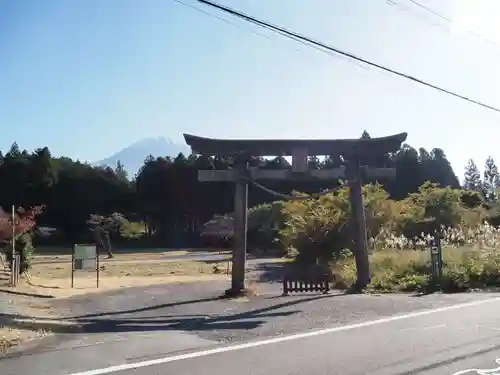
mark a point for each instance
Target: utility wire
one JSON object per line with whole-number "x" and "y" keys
{"x": 263, "y": 35}
{"x": 470, "y": 31}
{"x": 219, "y": 18}
{"x": 411, "y": 10}
{"x": 310, "y": 41}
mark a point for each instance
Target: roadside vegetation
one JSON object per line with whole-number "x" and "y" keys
{"x": 60, "y": 202}
{"x": 319, "y": 232}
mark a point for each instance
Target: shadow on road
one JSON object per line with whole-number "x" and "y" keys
{"x": 26, "y": 294}
{"x": 114, "y": 321}
{"x": 450, "y": 361}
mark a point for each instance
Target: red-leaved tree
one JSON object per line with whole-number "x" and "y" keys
{"x": 24, "y": 221}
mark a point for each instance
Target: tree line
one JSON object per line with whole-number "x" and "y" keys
{"x": 166, "y": 196}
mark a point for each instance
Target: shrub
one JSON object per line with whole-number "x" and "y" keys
{"x": 132, "y": 229}
{"x": 24, "y": 224}
{"x": 476, "y": 265}
{"x": 265, "y": 221}
{"x": 24, "y": 247}
{"x": 320, "y": 229}
{"x": 316, "y": 230}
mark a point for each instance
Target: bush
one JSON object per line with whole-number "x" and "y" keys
{"x": 132, "y": 229}
{"x": 320, "y": 228}
{"x": 317, "y": 230}
{"x": 24, "y": 222}
{"x": 265, "y": 221}
{"x": 464, "y": 268}
{"x": 24, "y": 247}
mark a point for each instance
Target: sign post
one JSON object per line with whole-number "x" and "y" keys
{"x": 84, "y": 257}
{"x": 436, "y": 256}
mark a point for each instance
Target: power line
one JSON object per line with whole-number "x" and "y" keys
{"x": 410, "y": 10}
{"x": 450, "y": 21}
{"x": 219, "y": 18}
{"x": 311, "y": 42}
{"x": 259, "y": 34}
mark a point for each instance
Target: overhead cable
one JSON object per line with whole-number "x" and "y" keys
{"x": 315, "y": 43}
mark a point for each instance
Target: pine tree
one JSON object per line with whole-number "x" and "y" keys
{"x": 365, "y": 135}
{"x": 438, "y": 169}
{"x": 491, "y": 179}
{"x": 120, "y": 171}
{"x": 472, "y": 177}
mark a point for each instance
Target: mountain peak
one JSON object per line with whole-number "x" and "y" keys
{"x": 132, "y": 157}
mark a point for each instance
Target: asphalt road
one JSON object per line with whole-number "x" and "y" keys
{"x": 387, "y": 335}
{"x": 450, "y": 341}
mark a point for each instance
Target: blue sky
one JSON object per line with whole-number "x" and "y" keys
{"x": 87, "y": 78}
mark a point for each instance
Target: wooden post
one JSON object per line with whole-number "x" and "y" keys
{"x": 240, "y": 230}
{"x": 13, "y": 215}
{"x": 359, "y": 224}
{"x": 73, "y": 267}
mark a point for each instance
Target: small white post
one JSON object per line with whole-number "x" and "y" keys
{"x": 13, "y": 231}
{"x": 13, "y": 265}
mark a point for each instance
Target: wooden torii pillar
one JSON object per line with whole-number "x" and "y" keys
{"x": 351, "y": 149}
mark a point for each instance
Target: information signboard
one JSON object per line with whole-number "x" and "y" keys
{"x": 84, "y": 258}
{"x": 436, "y": 256}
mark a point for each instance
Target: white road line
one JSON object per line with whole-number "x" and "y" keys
{"x": 254, "y": 344}
{"x": 424, "y": 328}
{"x": 488, "y": 327}
{"x": 479, "y": 371}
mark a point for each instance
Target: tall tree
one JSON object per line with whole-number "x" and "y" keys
{"x": 438, "y": 169}
{"x": 365, "y": 135}
{"x": 409, "y": 173}
{"x": 167, "y": 195}
{"x": 120, "y": 171}
{"x": 491, "y": 178}
{"x": 472, "y": 177}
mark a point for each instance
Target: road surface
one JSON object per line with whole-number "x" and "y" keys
{"x": 454, "y": 339}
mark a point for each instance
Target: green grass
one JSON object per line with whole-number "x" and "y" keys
{"x": 133, "y": 229}
{"x": 409, "y": 270}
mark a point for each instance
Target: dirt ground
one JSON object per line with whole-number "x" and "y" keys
{"x": 52, "y": 279}
{"x": 22, "y": 305}
{"x": 125, "y": 271}
{"x": 122, "y": 256}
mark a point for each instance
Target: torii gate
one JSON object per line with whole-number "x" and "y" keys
{"x": 352, "y": 151}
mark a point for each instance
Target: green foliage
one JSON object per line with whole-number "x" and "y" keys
{"x": 472, "y": 177}
{"x": 133, "y": 229}
{"x": 165, "y": 193}
{"x": 442, "y": 205}
{"x": 114, "y": 223}
{"x": 264, "y": 223}
{"x": 409, "y": 271}
{"x": 491, "y": 180}
{"x": 316, "y": 230}
{"x": 24, "y": 247}
{"x": 320, "y": 229}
